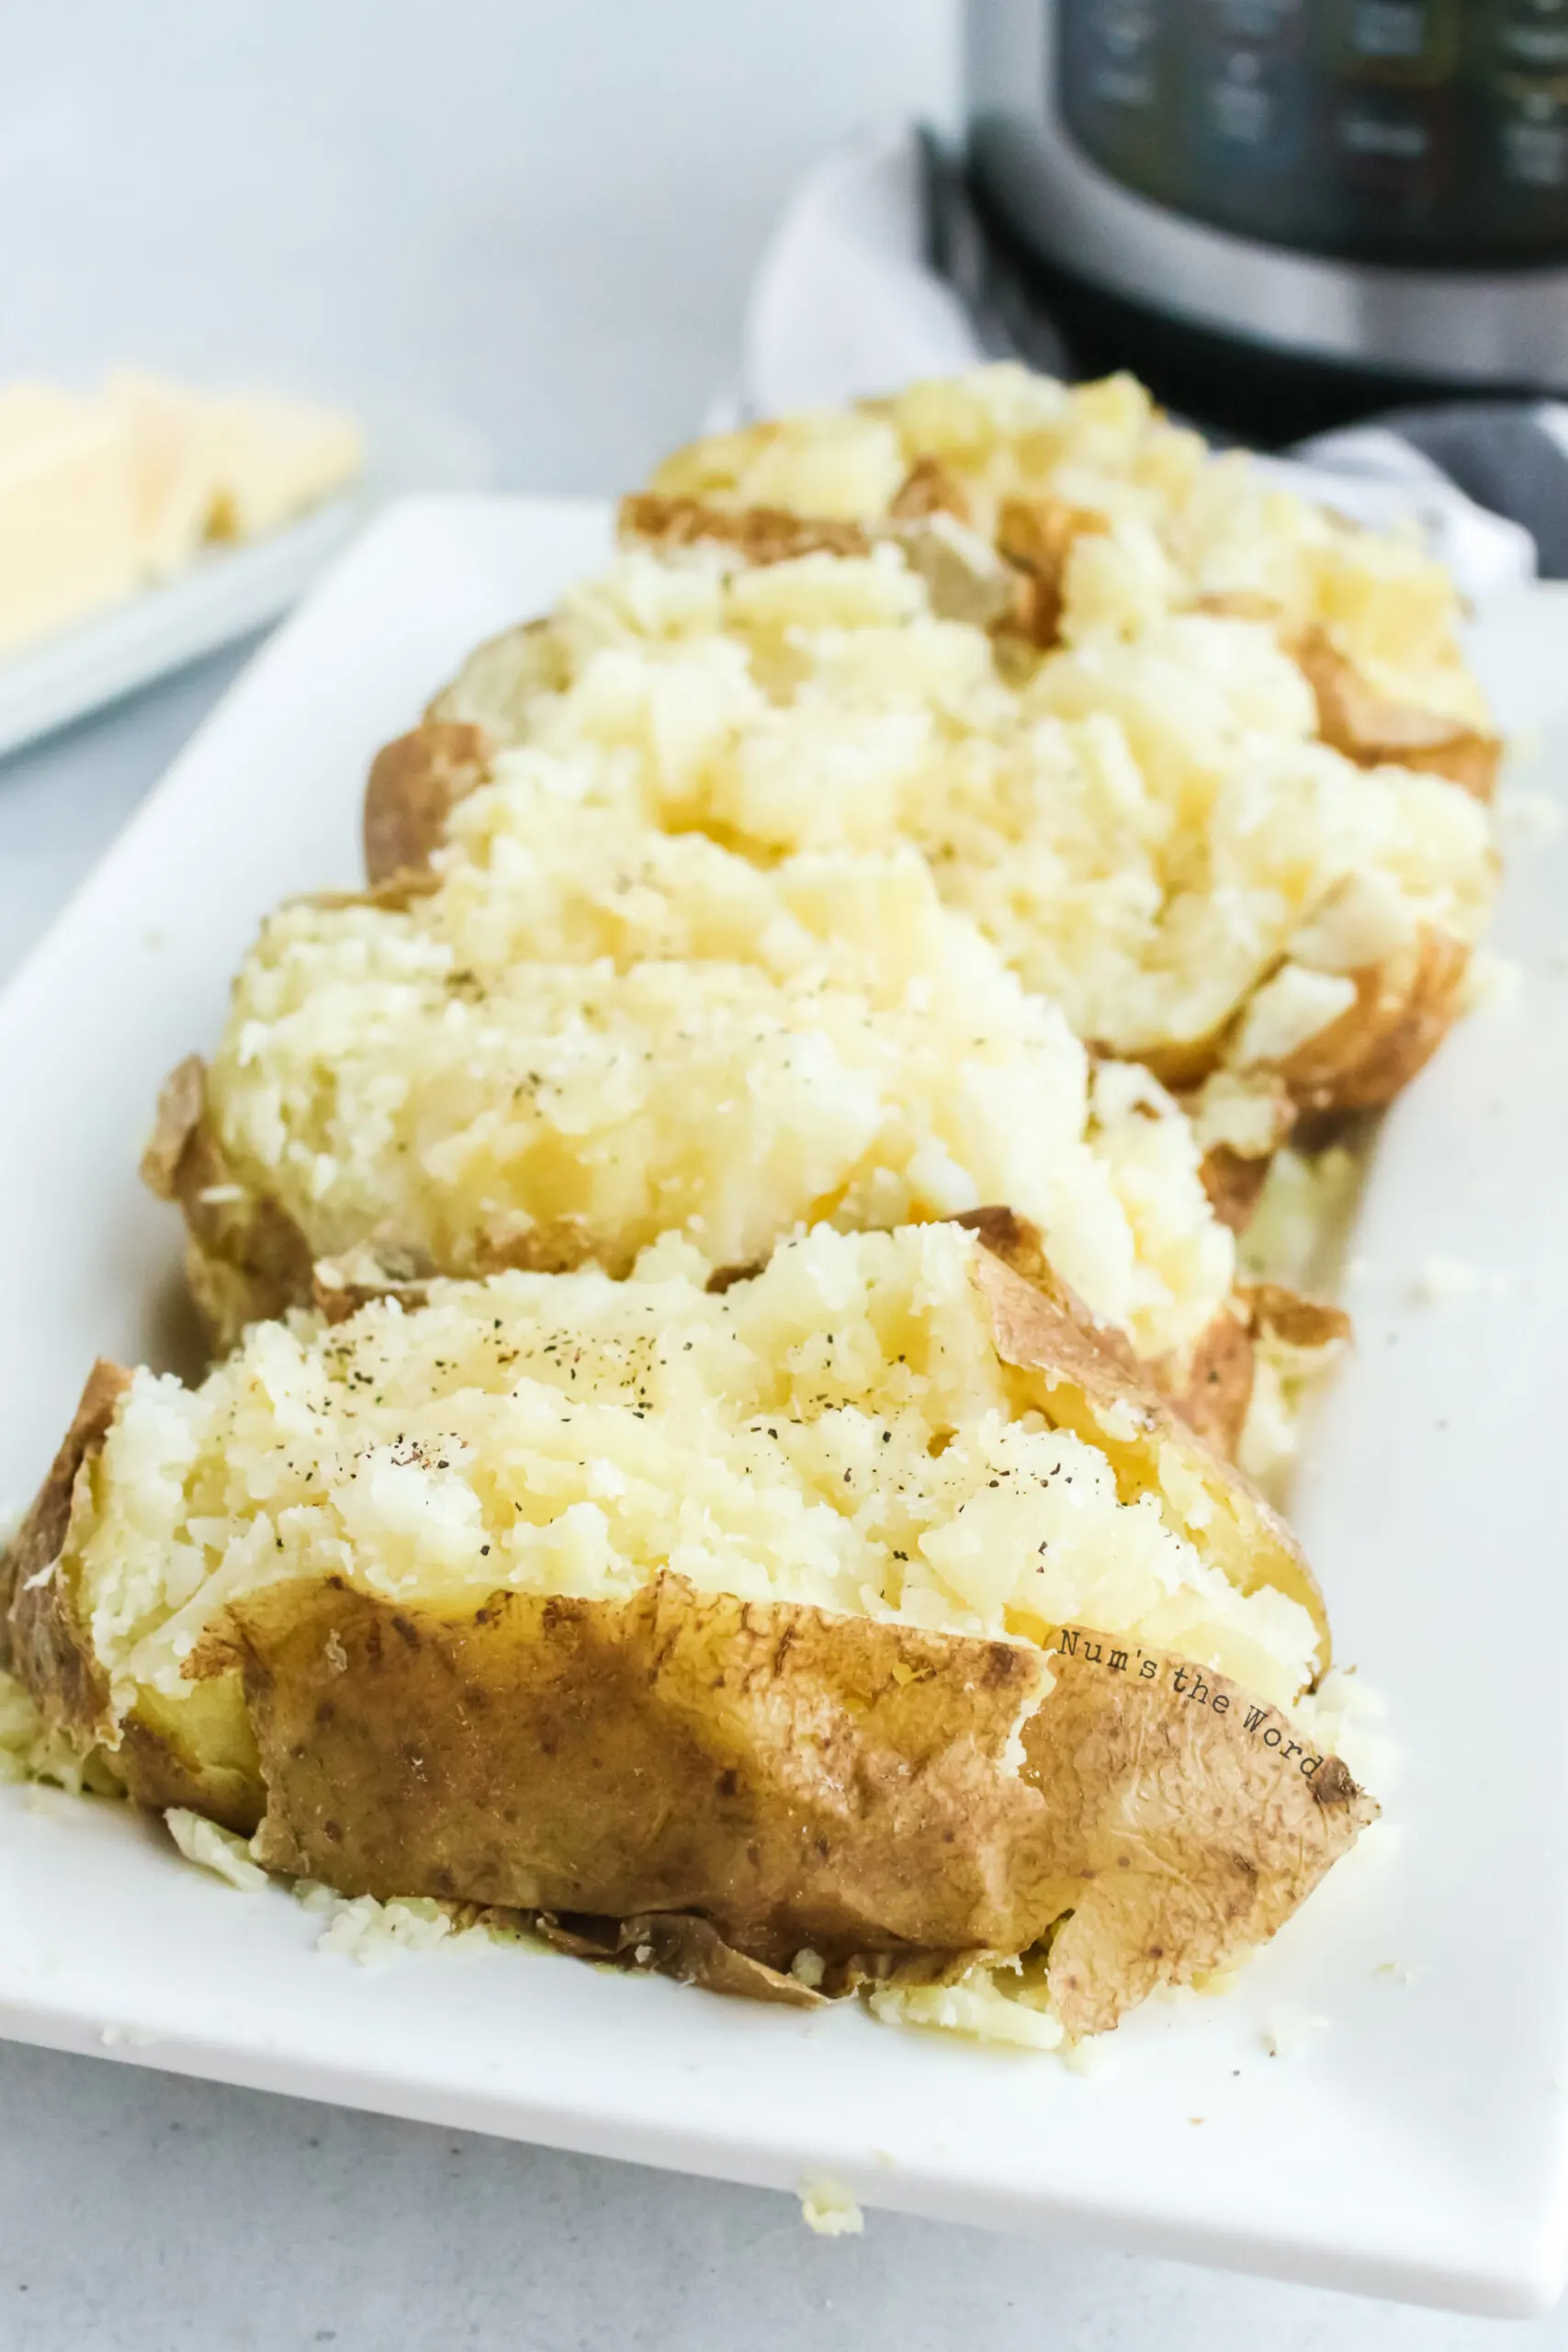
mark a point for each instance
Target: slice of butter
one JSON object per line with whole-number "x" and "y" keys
{"x": 275, "y": 457}
{"x": 67, "y": 518}
{"x": 230, "y": 466}
{"x": 174, "y": 448}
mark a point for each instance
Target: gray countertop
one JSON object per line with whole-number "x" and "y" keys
{"x": 537, "y": 222}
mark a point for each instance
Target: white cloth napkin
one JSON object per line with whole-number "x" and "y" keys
{"x": 846, "y": 303}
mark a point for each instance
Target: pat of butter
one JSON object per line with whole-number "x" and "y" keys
{"x": 275, "y": 457}
{"x": 227, "y": 468}
{"x": 67, "y": 522}
{"x": 174, "y": 466}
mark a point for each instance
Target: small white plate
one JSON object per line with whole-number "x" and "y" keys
{"x": 228, "y": 591}
{"x": 1417, "y": 2148}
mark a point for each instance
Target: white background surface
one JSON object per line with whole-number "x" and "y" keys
{"x": 540, "y": 220}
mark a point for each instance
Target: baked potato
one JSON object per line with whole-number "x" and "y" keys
{"x": 1108, "y": 516}
{"x": 863, "y": 1620}
{"x": 1149, "y": 823}
{"x": 599, "y": 1033}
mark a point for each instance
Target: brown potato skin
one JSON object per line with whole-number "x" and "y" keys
{"x": 929, "y": 489}
{"x": 1217, "y": 1391}
{"x": 667, "y": 1943}
{"x": 761, "y": 535}
{"x": 45, "y": 1644}
{"x": 1366, "y": 727}
{"x": 413, "y": 786}
{"x": 590, "y": 1755}
{"x": 1299, "y": 1321}
{"x": 790, "y": 1777}
{"x": 246, "y": 1260}
{"x": 1404, "y": 1010}
{"x": 1234, "y": 1184}
{"x": 42, "y": 1640}
{"x": 1090, "y": 1384}
{"x": 1036, "y": 536}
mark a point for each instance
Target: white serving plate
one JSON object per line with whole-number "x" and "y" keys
{"x": 1416, "y": 2149}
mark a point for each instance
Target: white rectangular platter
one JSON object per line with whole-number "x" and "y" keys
{"x": 1418, "y": 2147}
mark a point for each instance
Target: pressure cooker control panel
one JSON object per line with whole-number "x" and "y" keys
{"x": 1398, "y": 131}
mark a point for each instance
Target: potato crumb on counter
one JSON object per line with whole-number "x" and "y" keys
{"x": 828, "y": 2208}
{"x": 1441, "y": 1280}
{"x": 1092, "y": 2059}
{"x": 1288, "y": 2030}
{"x": 1492, "y": 981}
{"x": 1529, "y": 820}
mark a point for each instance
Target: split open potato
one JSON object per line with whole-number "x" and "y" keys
{"x": 864, "y": 1621}
{"x": 1225, "y": 809}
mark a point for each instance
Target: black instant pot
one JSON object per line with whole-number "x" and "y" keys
{"x": 1285, "y": 212}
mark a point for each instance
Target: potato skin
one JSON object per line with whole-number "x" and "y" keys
{"x": 760, "y": 535}
{"x": 929, "y": 489}
{"x": 42, "y": 1642}
{"x": 1354, "y": 719}
{"x": 246, "y": 1260}
{"x": 1404, "y": 1010}
{"x": 1036, "y": 537}
{"x": 1093, "y": 1386}
{"x": 1217, "y": 1389}
{"x": 1234, "y": 1184}
{"x": 45, "y": 1644}
{"x": 789, "y": 1778}
{"x": 763, "y": 1764}
{"x": 414, "y": 784}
